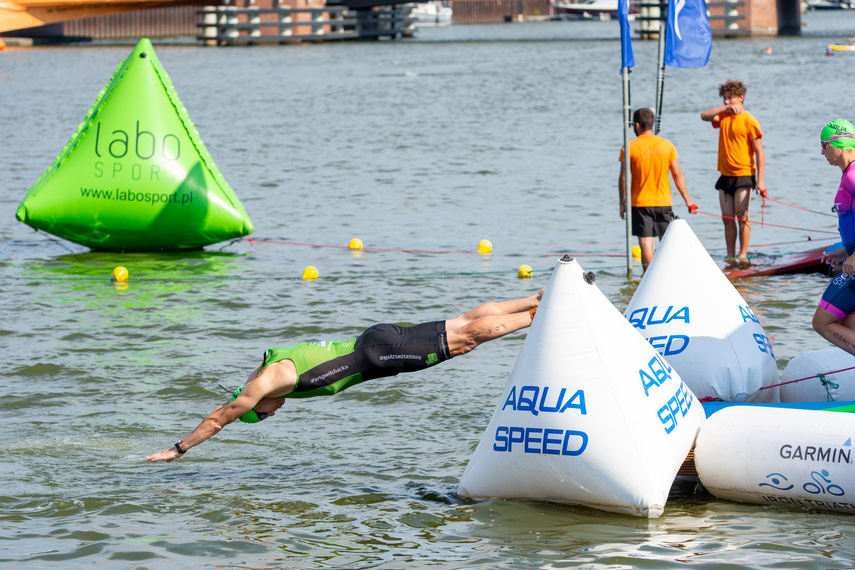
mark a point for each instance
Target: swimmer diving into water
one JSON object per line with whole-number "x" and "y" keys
{"x": 327, "y": 367}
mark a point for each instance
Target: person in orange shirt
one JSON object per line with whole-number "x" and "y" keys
{"x": 651, "y": 158}
{"x": 740, "y": 162}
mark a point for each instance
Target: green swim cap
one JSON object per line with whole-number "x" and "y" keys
{"x": 251, "y": 417}
{"x": 839, "y": 128}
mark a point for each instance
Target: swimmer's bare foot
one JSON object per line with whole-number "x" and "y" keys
{"x": 737, "y": 262}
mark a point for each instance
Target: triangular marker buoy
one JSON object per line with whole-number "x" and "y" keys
{"x": 135, "y": 175}
{"x": 591, "y": 415}
{"x": 689, "y": 311}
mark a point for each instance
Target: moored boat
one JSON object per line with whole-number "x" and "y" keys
{"x": 433, "y": 13}
{"x": 828, "y": 5}
{"x": 586, "y": 8}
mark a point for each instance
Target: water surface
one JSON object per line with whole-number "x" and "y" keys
{"x": 508, "y": 133}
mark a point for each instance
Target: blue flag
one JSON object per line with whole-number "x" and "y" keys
{"x": 688, "y": 40}
{"x": 626, "y": 57}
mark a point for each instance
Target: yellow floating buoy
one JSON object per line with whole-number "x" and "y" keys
{"x": 636, "y": 251}
{"x": 355, "y": 243}
{"x": 310, "y": 273}
{"x": 485, "y": 247}
{"x": 524, "y": 272}
{"x": 120, "y": 274}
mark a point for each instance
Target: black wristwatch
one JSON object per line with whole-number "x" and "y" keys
{"x": 178, "y": 448}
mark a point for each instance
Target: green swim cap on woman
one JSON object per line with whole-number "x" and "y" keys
{"x": 840, "y": 133}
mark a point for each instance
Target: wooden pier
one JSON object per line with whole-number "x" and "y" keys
{"x": 728, "y": 18}
{"x": 242, "y": 22}
{"x": 231, "y": 25}
{"x": 247, "y": 22}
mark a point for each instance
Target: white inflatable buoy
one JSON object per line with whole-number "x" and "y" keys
{"x": 689, "y": 311}
{"x": 591, "y": 415}
{"x": 779, "y": 456}
{"x": 819, "y": 376}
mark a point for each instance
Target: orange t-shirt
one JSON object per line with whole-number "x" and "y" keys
{"x": 650, "y": 161}
{"x": 735, "y": 144}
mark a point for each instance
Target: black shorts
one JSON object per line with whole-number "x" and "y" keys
{"x": 382, "y": 350}
{"x": 386, "y": 350}
{"x": 649, "y": 221}
{"x": 730, "y": 184}
{"x": 839, "y": 297}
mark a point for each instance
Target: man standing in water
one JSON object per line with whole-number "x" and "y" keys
{"x": 834, "y": 319}
{"x": 740, "y": 145}
{"x": 651, "y": 158}
{"x": 325, "y": 368}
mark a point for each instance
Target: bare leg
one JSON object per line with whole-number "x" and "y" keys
{"x": 470, "y": 335}
{"x": 742, "y": 201}
{"x": 728, "y": 213}
{"x": 500, "y": 308}
{"x": 646, "y": 244}
{"x": 489, "y": 321}
{"x": 831, "y": 328}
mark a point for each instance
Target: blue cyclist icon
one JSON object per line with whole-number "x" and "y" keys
{"x": 820, "y": 487}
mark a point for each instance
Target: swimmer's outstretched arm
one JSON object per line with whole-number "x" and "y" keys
{"x": 257, "y": 395}
{"x": 210, "y": 426}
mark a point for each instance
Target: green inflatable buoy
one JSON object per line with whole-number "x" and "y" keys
{"x": 135, "y": 175}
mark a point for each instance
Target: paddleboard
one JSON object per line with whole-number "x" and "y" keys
{"x": 803, "y": 262}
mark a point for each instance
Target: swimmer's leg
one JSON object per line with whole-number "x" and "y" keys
{"x": 492, "y": 309}
{"x": 470, "y": 335}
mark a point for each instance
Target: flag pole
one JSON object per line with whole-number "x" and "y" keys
{"x": 627, "y": 60}
{"x": 627, "y": 124}
{"x": 660, "y": 74}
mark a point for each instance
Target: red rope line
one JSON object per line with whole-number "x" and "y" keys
{"x": 762, "y": 225}
{"x": 307, "y": 244}
{"x": 753, "y": 245}
{"x": 253, "y": 240}
{"x": 800, "y": 208}
{"x": 585, "y": 254}
{"x": 807, "y": 378}
{"x": 773, "y": 225}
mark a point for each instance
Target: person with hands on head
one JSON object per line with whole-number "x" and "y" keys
{"x": 651, "y": 158}
{"x": 740, "y": 146}
{"x": 327, "y": 367}
{"x": 834, "y": 319}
